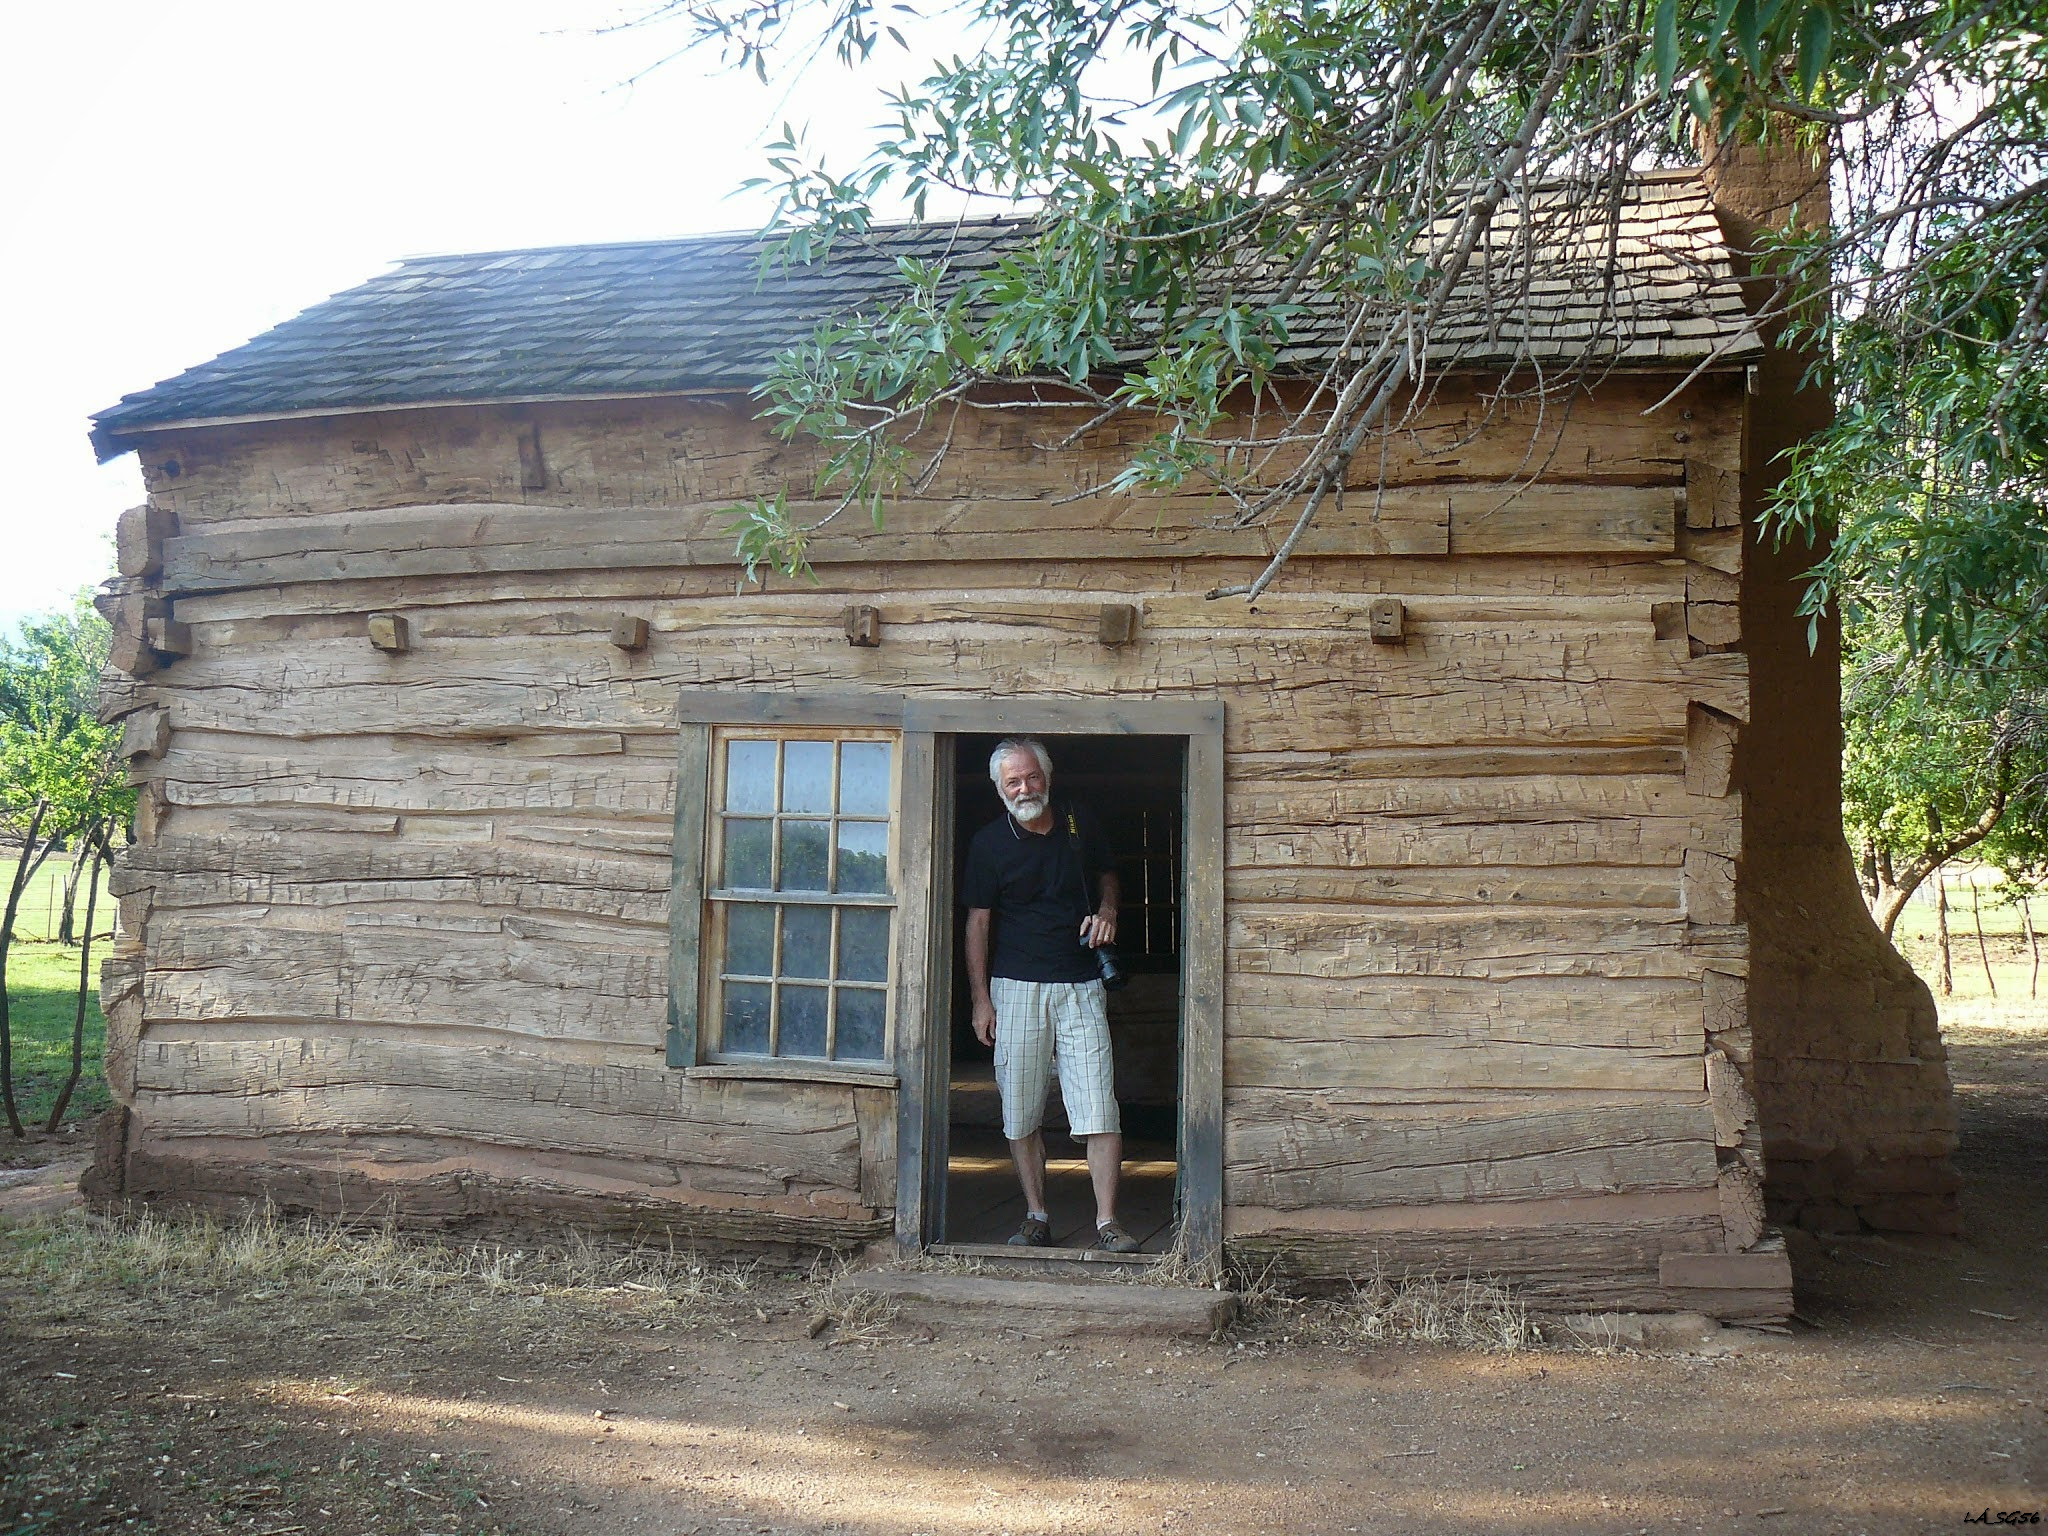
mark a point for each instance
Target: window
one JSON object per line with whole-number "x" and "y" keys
{"x": 800, "y": 899}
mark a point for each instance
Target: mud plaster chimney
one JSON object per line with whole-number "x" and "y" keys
{"x": 1848, "y": 1070}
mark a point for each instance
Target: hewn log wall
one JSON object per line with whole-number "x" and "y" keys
{"x": 396, "y": 927}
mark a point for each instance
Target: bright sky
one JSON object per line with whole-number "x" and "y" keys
{"x": 183, "y": 176}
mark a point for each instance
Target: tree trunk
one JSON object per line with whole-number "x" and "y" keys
{"x": 24, "y": 868}
{"x": 1871, "y": 888}
{"x": 2033, "y": 947}
{"x": 67, "y": 920}
{"x": 1983, "y": 954}
{"x": 1945, "y": 978}
{"x": 99, "y": 857}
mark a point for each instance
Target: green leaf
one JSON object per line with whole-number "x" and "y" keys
{"x": 1749, "y": 35}
{"x": 1816, "y": 38}
{"x": 1664, "y": 43}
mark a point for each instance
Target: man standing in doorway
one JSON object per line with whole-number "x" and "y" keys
{"x": 1041, "y": 896}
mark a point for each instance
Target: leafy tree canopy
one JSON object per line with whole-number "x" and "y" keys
{"x": 53, "y": 748}
{"x": 1196, "y": 166}
{"x": 1939, "y": 762}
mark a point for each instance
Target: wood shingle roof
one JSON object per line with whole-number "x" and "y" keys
{"x": 1652, "y": 289}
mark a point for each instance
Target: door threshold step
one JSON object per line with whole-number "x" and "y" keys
{"x": 1042, "y": 1257}
{"x": 1051, "y": 1308}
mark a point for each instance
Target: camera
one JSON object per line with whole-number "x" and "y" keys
{"x": 1110, "y": 968}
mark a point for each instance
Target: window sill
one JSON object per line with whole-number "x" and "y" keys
{"x": 768, "y": 1070}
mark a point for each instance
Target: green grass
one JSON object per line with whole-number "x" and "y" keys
{"x": 42, "y": 990}
{"x": 42, "y": 903}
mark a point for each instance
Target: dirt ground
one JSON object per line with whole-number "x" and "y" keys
{"x": 1914, "y": 1397}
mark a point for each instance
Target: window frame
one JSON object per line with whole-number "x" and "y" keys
{"x": 720, "y": 899}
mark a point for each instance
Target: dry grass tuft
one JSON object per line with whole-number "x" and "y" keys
{"x": 265, "y": 1254}
{"x": 1466, "y": 1312}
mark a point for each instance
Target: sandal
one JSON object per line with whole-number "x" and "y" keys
{"x": 1111, "y": 1237}
{"x": 1033, "y": 1233}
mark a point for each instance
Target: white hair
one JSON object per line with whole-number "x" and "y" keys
{"x": 1010, "y": 746}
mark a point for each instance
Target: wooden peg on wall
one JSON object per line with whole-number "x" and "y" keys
{"x": 390, "y": 632}
{"x": 863, "y": 626}
{"x": 1389, "y": 620}
{"x": 629, "y": 633}
{"x": 1117, "y": 624}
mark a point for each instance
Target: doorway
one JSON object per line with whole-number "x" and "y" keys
{"x": 1137, "y": 787}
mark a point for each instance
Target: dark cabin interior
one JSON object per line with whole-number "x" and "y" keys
{"x": 1135, "y": 786}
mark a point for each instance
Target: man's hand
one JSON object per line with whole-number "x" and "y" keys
{"x": 985, "y": 1022}
{"x": 1099, "y": 928}
{"x": 977, "y": 975}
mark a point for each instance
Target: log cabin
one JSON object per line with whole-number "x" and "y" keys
{"x": 506, "y": 862}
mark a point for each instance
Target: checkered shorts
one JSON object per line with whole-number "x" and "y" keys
{"x": 1040, "y": 1024}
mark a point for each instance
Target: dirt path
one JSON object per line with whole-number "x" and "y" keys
{"x": 1920, "y": 1399}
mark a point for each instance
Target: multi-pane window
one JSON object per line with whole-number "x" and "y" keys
{"x": 800, "y": 895}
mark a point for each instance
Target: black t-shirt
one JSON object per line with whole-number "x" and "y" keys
{"x": 1034, "y": 884}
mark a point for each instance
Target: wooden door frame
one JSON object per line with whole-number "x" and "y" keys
{"x": 924, "y": 1058}
{"x": 924, "y": 965}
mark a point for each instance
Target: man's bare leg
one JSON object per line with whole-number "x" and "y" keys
{"x": 1105, "y": 1169}
{"x": 1029, "y": 1156}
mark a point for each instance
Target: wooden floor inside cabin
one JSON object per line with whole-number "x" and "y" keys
{"x": 983, "y": 1204}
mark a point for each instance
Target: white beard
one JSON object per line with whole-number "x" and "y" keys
{"x": 1028, "y": 808}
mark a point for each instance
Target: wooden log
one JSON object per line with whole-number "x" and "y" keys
{"x": 1576, "y": 885}
{"x": 1580, "y": 519}
{"x": 139, "y": 536}
{"x": 1299, "y": 1065}
{"x": 1713, "y": 494}
{"x": 875, "y": 1119}
{"x": 211, "y": 966}
{"x": 129, "y": 650}
{"x": 1710, "y": 740}
{"x": 1727, "y": 1014}
{"x": 1529, "y": 820}
{"x": 710, "y": 450}
{"x": 1718, "y": 549}
{"x": 1567, "y": 686}
{"x": 1288, "y": 1151}
{"x": 1339, "y": 943}
{"x": 399, "y": 887}
{"x": 1709, "y": 886}
{"x": 1762, "y": 1270}
{"x": 1735, "y": 1117}
{"x": 1661, "y": 1016}
{"x": 1609, "y": 589}
{"x": 1558, "y": 1267}
{"x": 327, "y": 1176}
{"x": 1251, "y": 770}
{"x": 168, "y": 637}
{"x": 737, "y": 1137}
{"x": 629, "y": 785}
{"x": 1742, "y": 1205}
{"x": 1714, "y": 624}
{"x": 146, "y": 734}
